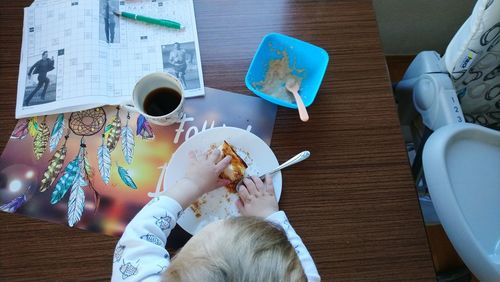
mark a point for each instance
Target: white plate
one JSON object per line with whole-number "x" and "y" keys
{"x": 220, "y": 204}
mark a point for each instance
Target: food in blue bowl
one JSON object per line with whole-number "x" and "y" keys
{"x": 279, "y": 58}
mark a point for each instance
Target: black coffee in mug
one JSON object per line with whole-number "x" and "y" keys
{"x": 161, "y": 101}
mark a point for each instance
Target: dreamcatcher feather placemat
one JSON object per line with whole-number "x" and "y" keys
{"x": 94, "y": 169}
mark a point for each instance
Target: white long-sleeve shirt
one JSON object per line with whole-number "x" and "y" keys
{"x": 140, "y": 254}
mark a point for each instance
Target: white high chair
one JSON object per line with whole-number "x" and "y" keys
{"x": 461, "y": 160}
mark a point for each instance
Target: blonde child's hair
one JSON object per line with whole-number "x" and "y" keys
{"x": 244, "y": 249}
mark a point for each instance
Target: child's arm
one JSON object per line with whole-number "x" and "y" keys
{"x": 140, "y": 253}
{"x": 306, "y": 260}
{"x": 257, "y": 199}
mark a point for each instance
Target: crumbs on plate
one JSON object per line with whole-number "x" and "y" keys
{"x": 196, "y": 206}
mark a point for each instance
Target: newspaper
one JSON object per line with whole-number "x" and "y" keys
{"x": 77, "y": 54}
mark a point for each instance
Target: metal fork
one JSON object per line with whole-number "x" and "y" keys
{"x": 295, "y": 159}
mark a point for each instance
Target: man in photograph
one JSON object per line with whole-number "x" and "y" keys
{"x": 109, "y": 23}
{"x": 177, "y": 58}
{"x": 42, "y": 67}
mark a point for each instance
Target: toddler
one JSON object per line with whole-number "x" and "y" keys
{"x": 260, "y": 245}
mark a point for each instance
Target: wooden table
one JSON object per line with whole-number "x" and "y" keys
{"x": 353, "y": 202}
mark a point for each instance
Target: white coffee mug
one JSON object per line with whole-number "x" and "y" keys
{"x": 148, "y": 84}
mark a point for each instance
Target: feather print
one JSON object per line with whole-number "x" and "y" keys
{"x": 41, "y": 140}
{"x": 66, "y": 181}
{"x": 107, "y": 130}
{"x": 104, "y": 162}
{"x": 144, "y": 128}
{"x": 76, "y": 201}
{"x": 141, "y": 120}
{"x": 21, "y": 130}
{"x": 57, "y": 132}
{"x": 13, "y": 205}
{"x": 97, "y": 199}
{"x": 128, "y": 143}
{"x": 88, "y": 168}
{"x": 126, "y": 177}
{"x": 148, "y": 131}
{"x": 33, "y": 126}
{"x": 114, "y": 133}
{"x": 54, "y": 168}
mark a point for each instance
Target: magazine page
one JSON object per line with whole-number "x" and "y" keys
{"x": 79, "y": 54}
{"x": 135, "y": 48}
{"x": 58, "y": 58}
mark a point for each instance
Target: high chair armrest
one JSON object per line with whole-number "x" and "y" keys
{"x": 434, "y": 97}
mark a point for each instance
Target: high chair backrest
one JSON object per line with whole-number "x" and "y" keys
{"x": 473, "y": 61}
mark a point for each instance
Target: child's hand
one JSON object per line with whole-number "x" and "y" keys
{"x": 204, "y": 170}
{"x": 201, "y": 177}
{"x": 257, "y": 198}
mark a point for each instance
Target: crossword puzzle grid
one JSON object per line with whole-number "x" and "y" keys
{"x": 148, "y": 39}
{"x": 52, "y": 27}
{"x": 139, "y": 51}
{"x": 130, "y": 64}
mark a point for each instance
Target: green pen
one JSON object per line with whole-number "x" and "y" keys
{"x": 162, "y": 22}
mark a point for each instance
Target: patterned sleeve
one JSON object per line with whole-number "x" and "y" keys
{"x": 306, "y": 260}
{"x": 140, "y": 253}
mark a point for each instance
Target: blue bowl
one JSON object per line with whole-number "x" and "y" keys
{"x": 311, "y": 58}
